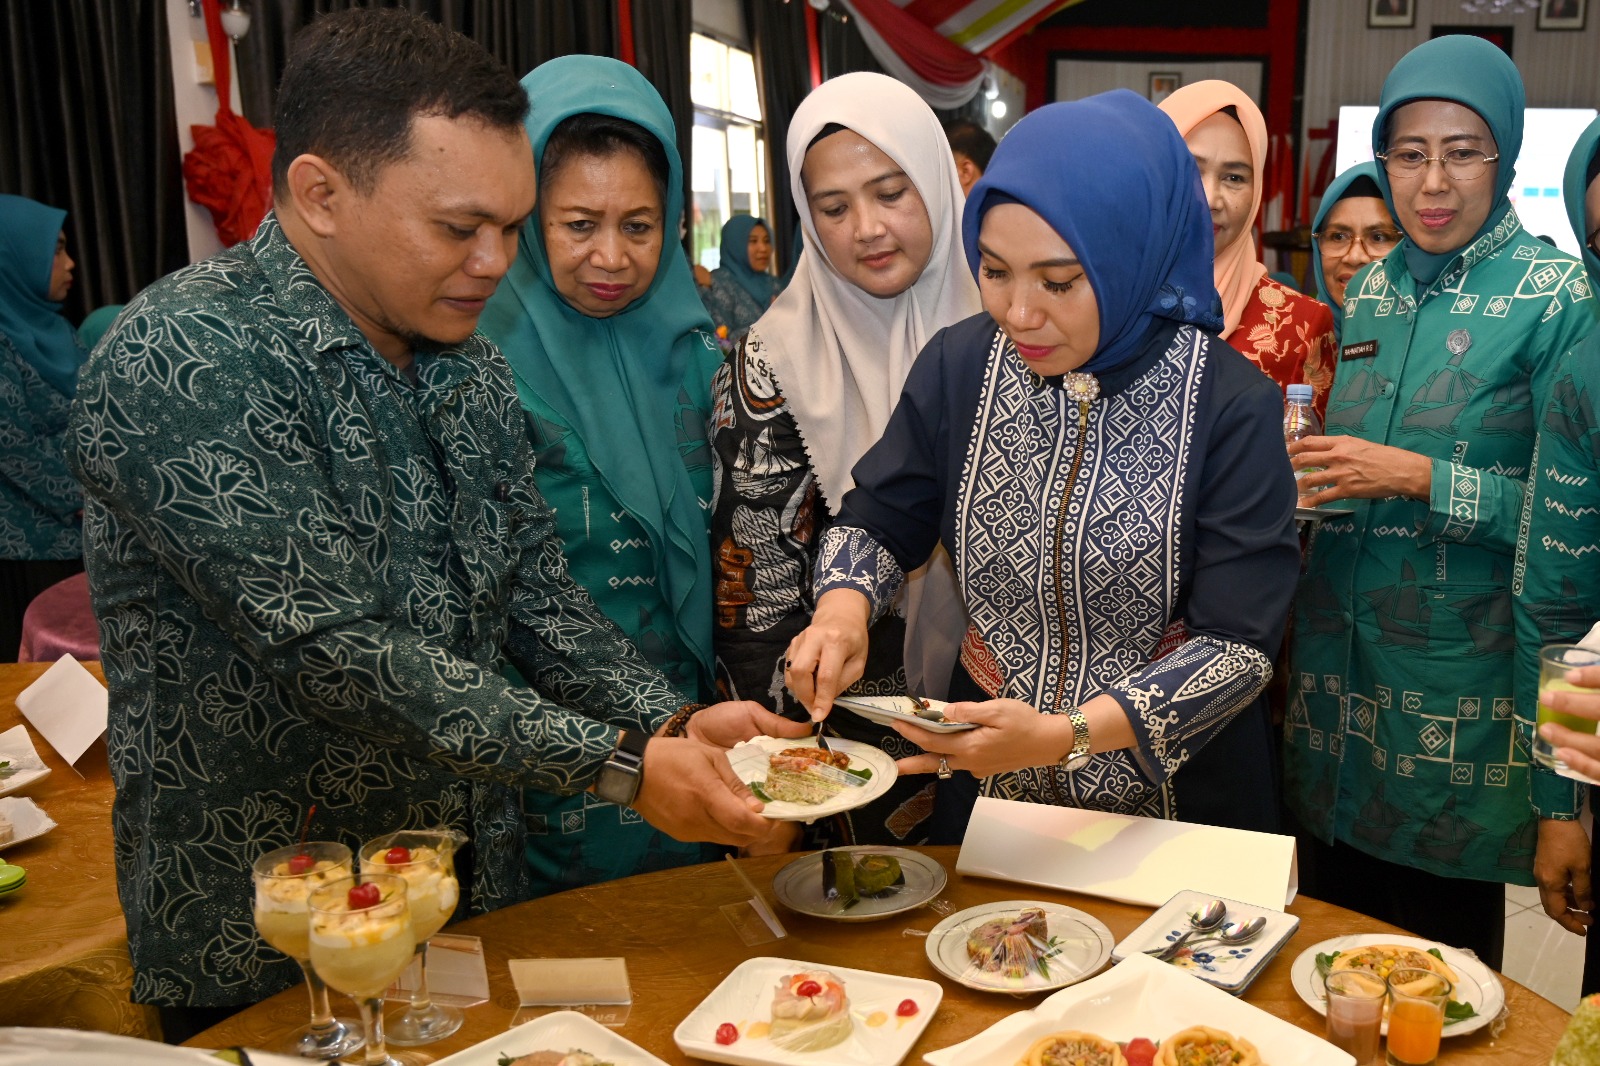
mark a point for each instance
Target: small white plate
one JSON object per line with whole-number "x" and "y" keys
{"x": 16, "y": 747}
{"x": 564, "y": 1031}
{"x": 749, "y": 761}
{"x": 1141, "y": 997}
{"x": 799, "y": 886}
{"x": 1083, "y": 942}
{"x": 887, "y": 710}
{"x": 1319, "y": 514}
{"x": 1479, "y": 987}
{"x": 880, "y": 1036}
{"x": 1229, "y": 967}
{"x": 27, "y": 817}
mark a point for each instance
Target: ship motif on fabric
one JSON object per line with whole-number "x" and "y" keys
{"x": 1438, "y": 404}
{"x": 1402, "y": 611}
{"x": 1570, "y": 413}
{"x": 1508, "y": 413}
{"x": 1518, "y": 851}
{"x": 1562, "y": 618}
{"x": 1355, "y": 398}
{"x": 1446, "y": 835}
{"x": 1487, "y": 616}
{"x": 1319, "y": 607}
{"x": 1378, "y": 819}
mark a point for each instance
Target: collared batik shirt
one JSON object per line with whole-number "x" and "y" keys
{"x": 309, "y": 572}
{"x": 39, "y": 500}
{"x": 1401, "y": 735}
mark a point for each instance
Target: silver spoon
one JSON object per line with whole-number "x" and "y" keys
{"x": 1234, "y": 933}
{"x": 1201, "y": 920}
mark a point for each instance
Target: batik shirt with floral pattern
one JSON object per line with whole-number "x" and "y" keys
{"x": 309, "y": 571}
{"x": 39, "y": 500}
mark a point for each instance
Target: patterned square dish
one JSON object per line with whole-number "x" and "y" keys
{"x": 1230, "y": 968}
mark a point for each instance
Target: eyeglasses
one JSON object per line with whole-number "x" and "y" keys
{"x": 1463, "y": 164}
{"x": 1338, "y": 243}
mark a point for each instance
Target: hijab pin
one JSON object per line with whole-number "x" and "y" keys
{"x": 1081, "y": 388}
{"x": 1458, "y": 341}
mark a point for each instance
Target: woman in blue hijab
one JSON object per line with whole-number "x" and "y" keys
{"x": 40, "y": 528}
{"x": 612, "y": 355}
{"x": 1109, "y": 479}
{"x": 1353, "y": 227}
{"x": 742, "y": 288}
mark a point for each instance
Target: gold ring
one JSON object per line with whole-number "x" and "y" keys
{"x": 945, "y": 773}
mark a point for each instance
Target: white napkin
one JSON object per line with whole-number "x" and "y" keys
{"x": 67, "y": 705}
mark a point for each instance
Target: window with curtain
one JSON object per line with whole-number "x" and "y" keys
{"x": 729, "y": 173}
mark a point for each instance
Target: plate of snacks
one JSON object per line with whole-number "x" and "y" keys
{"x": 22, "y": 819}
{"x": 860, "y": 883}
{"x": 1019, "y": 946}
{"x": 779, "y": 1011}
{"x": 20, "y": 765}
{"x": 1478, "y": 996}
{"x": 1141, "y": 1013}
{"x": 919, "y": 711}
{"x": 801, "y": 782}
{"x": 560, "y": 1038}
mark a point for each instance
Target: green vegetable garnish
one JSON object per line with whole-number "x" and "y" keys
{"x": 755, "y": 786}
{"x": 1455, "y": 1012}
{"x": 1325, "y": 962}
{"x": 865, "y": 773}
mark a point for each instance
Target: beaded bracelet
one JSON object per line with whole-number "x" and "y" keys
{"x": 678, "y": 724}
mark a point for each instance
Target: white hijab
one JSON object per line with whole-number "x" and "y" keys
{"x": 840, "y": 355}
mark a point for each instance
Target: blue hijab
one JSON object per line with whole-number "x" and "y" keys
{"x": 1576, "y": 186}
{"x": 30, "y": 320}
{"x": 616, "y": 380}
{"x": 1111, "y": 175}
{"x": 1473, "y": 73}
{"x": 736, "y": 259}
{"x": 1337, "y": 190}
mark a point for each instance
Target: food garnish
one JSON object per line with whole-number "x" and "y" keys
{"x": 364, "y": 895}
{"x": 301, "y": 864}
{"x": 907, "y": 1009}
{"x": 397, "y": 856}
{"x": 1139, "y": 1052}
{"x": 727, "y": 1033}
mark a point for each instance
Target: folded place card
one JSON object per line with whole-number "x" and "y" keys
{"x": 570, "y": 982}
{"x": 457, "y": 974}
{"x": 67, "y": 705}
{"x": 1134, "y": 860}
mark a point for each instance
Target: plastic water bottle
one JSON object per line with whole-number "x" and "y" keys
{"x": 1300, "y": 420}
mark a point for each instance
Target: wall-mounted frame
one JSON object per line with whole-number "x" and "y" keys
{"x": 1391, "y": 14}
{"x": 1163, "y": 83}
{"x": 1499, "y": 36}
{"x": 1562, "y": 14}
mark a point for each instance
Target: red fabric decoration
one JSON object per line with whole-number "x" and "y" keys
{"x": 229, "y": 171}
{"x": 928, "y": 53}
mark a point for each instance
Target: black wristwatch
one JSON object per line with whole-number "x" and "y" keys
{"x": 618, "y": 781}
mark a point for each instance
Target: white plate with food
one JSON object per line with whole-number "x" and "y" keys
{"x": 1019, "y": 946}
{"x": 20, "y": 764}
{"x": 800, "y": 783}
{"x": 1476, "y": 986}
{"x": 860, "y": 883}
{"x": 780, "y": 1011}
{"x": 561, "y": 1038}
{"x": 22, "y": 819}
{"x": 1137, "y": 999}
{"x": 887, "y": 710}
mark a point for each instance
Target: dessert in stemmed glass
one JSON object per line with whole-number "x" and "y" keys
{"x": 426, "y": 860}
{"x": 361, "y": 940}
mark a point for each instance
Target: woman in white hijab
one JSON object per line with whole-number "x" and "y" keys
{"x": 810, "y": 389}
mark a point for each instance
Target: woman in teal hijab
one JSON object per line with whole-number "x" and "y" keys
{"x": 613, "y": 356}
{"x": 40, "y": 530}
{"x": 741, "y": 288}
{"x": 1401, "y": 754}
{"x": 1352, "y": 228}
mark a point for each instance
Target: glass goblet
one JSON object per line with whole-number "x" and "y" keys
{"x": 361, "y": 940}
{"x": 284, "y": 880}
{"x": 426, "y": 860}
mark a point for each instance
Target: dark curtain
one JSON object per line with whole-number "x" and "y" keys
{"x": 661, "y": 31}
{"x": 783, "y": 77}
{"x": 844, "y": 52}
{"x": 520, "y": 33}
{"x": 89, "y": 128}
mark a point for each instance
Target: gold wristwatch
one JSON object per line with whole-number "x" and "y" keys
{"x": 1078, "y": 757}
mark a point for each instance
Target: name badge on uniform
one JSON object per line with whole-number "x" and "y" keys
{"x": 1458, "y": 342}
{"x": 1364, "y": 350}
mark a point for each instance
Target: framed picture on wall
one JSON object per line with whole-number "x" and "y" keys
{"x": 1163, "y": 84}
{"x": 1562, "y": 14}
{"x": 1391, "y": 14}
{"x": 1499, "y": 36}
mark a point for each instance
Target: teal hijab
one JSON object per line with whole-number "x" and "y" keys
{"x": 30, "y": 320}
{"x": 1338, "y": 189}
{"x": 736, "y": 259}
{"x": 1580, "y": 168}
{"x": 616, "y": 380}
{"x": 1474, "y": 73}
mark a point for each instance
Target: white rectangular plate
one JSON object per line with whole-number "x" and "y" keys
{"x": 563, "y": 1031}
{"x": 16, "y": 747}
{"x": 1229, "y": 968}
{"x": 745, "y": 996}
{"x": 27, "y": 818}
{"x": 1140, "y": 997}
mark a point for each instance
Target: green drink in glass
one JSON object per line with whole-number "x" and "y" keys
{"x": 1554, "y": 662}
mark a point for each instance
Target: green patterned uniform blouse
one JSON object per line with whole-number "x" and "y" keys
{"x": 309, "y": 572}
{"x": 39, "y": 500}
{"x": 1401, "y": 735}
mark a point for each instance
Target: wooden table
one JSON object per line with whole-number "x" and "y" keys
{"x": 679, "y": 947}
{"x": 63, "y": 944}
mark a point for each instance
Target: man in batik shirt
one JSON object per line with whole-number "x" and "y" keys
{"x": 315, "y": 539}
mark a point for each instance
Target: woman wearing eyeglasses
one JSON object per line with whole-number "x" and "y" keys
{"x": 1353, "y": 227}
{"x": 1400, "y": 749}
